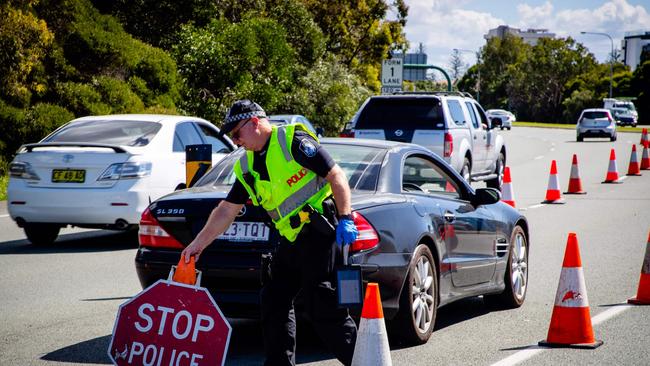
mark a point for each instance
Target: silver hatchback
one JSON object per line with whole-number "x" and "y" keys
{"x": 596, "y": 122}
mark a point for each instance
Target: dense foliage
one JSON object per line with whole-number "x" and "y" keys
{"x": 552, "y": 81}
{"x": 61, "y": 59}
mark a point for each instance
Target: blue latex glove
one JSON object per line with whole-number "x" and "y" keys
{"x": 346, "y": 232}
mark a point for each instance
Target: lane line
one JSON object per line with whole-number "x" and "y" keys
{"x": 531, "y": 351}
{"x": 539, "y": 157}
{"x": 623, "y": 177}
{"x": 4, "y": 215}
{"x": 536, "y": 206}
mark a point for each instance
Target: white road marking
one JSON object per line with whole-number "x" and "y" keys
{"x": 531, "y": 351}
{"x": 623, "y": 177}
{"x": 4, "y": 215}
{"x": 536, "y": 206}
{"x": 539, "y": 157}
{"x": 552, "y": 149}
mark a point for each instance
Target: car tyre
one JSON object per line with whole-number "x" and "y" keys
{"x": 498, "y": 170}
{"x": 466, "y": 171}
{"x": 579, "y": 138}
{"x": 41, "y": 234}
{"x": 418, "y": 305}
{"x": 516, "y": 274}
{"x": 612, "y": 138}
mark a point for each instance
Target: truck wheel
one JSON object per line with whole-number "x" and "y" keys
{"x": 41, "y": 234}
{"x": 466, "y": 172}
{"x": 498, "y": 170}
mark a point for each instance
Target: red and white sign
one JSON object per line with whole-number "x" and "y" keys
{"x": 170, "y": 324}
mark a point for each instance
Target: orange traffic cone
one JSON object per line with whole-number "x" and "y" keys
{"x": 371, "y": 348}
{"x": 612, "y": 170}
{"x": 553, "y": 194}
{"x": 645, "y": 159}
{"x": 507, "y": 193}
{"x": 185, "y": 272}
{"x": 449, "y": 187}
{"x": 643, "y": 293}
{"x": 575, "y": 184}
{"x": 571, "y": 320}
{"x": 644, "y": 138}
{"x": 633, "y": 168}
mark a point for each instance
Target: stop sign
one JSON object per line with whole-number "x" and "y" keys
{"x": 170, "y": 324}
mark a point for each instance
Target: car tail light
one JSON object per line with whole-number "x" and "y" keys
{"x": 449, "y": 145}
{"x": 151, "y": 234}
{"x": 349, "y": 133}
{"x": 23, "y": 171}
{"x": 367, "y": 238}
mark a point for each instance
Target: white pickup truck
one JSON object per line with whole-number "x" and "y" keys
{"x": 451, "y": 124}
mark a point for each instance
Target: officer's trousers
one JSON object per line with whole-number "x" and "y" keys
{"x": 308, "y": 266}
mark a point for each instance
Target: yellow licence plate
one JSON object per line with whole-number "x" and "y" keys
{"x": 68, "y": 176}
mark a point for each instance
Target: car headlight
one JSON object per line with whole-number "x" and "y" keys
{"x": 22, "y": 170}
{"x": 129, "y": 170}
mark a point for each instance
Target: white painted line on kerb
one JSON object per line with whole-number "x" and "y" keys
{"x": 525, "y": 354}
{"x": 539, "y": 157}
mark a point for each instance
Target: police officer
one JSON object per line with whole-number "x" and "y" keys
{"x": 287, "y": 172}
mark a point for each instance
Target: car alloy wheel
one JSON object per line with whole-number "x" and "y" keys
{"x": 466, "y": 171}
{"x": 498, "y": 170}
{"x": 419, "y": 299}
{"x": 519, "y": 267}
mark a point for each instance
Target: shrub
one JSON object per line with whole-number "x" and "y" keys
{"x": 43, "y": 118}
{"x": 118, "y": 95}
{"x": 81, "y": 99}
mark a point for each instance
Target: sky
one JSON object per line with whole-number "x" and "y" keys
{"x": 442, "y": 25}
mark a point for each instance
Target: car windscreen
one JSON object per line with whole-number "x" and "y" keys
{"x": 595, "y": 115}
{"x": 124, "y": 133}
{"x": 405, "y": 113}
{"x": 361, "y": 165}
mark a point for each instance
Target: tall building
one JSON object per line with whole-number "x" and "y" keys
{"x": 633, "y": 45}
{"x": 529, "y": 36}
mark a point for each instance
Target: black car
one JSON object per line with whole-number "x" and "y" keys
{"x": 425, "y": 236}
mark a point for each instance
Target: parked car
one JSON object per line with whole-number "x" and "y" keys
{"x": 425, "y": 235}
{"x": 501, "y": 118}
{"x": 280, "y": 119}
{"x": 596, "y": 122}
{"x": 103, "y": 171}
{"x": 624, "y": 112}
{"x": 451, "y": 124}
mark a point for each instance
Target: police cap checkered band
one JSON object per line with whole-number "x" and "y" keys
{"x": 239, "y": 111}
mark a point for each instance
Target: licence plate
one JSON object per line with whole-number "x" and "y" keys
{"x": 246, "y": 231}
{"x": 68, "y": 175}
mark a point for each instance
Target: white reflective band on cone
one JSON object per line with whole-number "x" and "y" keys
{"x": 372, "y": 348}
{"x": 571, "y": 291}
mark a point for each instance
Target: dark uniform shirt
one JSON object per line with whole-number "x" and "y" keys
{"x": 304, "y": 149}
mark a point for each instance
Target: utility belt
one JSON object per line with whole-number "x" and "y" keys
{"x": 323, "y": 224}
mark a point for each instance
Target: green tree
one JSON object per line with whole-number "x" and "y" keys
{"x": 358, "y": 32}
{"x": 226, "y": 61}
{"x": 640, "y": 86}
{"x": 537, "y": 87}
{"x": 24, "y": 42}
{"x": 328, "y": 95}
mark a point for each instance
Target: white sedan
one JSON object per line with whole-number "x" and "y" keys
{"x": 103, "y": 171}
{"x": 501, "y": 118}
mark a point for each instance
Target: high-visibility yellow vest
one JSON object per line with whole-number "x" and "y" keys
{"x": 290, "y": 186}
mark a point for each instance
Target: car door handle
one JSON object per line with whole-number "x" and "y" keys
{"x": 449, "y": 217}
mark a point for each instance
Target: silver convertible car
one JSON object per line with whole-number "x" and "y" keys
{"x": 426, "y": 236}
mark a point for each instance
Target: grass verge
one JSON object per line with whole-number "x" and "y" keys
{"x": 4, "y": 180}
{"x": 570, "y": 126}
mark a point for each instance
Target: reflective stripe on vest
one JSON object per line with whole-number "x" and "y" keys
{"x": 297, "y": 199}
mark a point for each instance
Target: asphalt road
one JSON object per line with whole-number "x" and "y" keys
{"x": 58, "y": 304}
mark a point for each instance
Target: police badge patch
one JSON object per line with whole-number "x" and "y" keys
{"x": 308, "y": 148}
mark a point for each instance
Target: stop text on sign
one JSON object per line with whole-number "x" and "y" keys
{"x": 165, "y": 320}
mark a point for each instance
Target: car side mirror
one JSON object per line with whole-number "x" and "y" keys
{"x": 486, "y": 196}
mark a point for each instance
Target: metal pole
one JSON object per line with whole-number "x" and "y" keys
{"x": 611, "y": 59}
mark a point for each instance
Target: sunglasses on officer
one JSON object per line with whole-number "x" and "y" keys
{"x": 235, "y": 134}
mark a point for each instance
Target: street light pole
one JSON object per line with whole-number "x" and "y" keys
{"x": 478, "y": 67}
{"x": 611, "y": 58}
